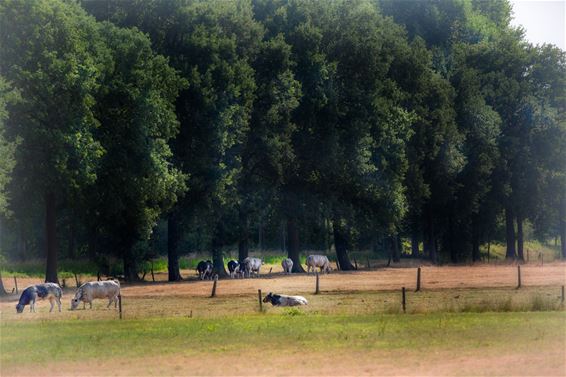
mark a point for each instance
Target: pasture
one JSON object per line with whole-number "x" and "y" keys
{"x": 465, "y": 321}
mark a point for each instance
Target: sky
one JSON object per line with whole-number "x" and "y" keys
{"x": 543, "y": 20}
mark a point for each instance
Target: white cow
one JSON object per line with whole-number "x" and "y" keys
{"x": 321, "y": 261}
{"x": 284, "y": 300}
{"x": 251, "y": 265}
{"x": 287, "y": 265}
{"x": 87, "y": 292}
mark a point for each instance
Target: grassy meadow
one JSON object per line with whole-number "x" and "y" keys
{"x": 289, "y": 334}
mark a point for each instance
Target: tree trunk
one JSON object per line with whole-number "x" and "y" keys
{"x": 475, "y": 241}
{"x": 509, "y": 234}
{"x": 172, "y": 247}
{"x": 341, "y": 246}
{"x": 520, "y": 241}
{"x": 395, "y": 252}
{"x": 562, "y": 224}
{"x": 451, "y": 242}
{"x": 71, "y": 250}
{"x": 51, "y": 238}
{"x": 130, "y": 267}
{"x": 22, "y": 243}
{"x": 415, "y": 242}
{"x": 431, "y": 240}
{"x": 260, "y": 233}
{"x": 217, "y": 257}
{"x": 293, "y": 248}
{"x": 243, "y": 243}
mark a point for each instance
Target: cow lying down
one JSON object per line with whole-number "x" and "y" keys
{"x": 284, "y": 300}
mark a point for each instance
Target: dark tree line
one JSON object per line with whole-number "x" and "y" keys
{"x": 130, "y": 128}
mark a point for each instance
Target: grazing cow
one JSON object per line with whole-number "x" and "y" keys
{"x": 234, "y": 268}
{"x": 287, "y": 265}
{"x": 314, "y": 261}
{"x": 87, "y": 292}
{"x": 204, "y": 269}
{"x": 284, "y": 300}
{"x": 50, "y": 291}
{"x": 251, "y": 265}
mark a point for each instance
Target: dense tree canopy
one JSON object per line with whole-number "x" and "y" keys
{"x": 134, "y": 128}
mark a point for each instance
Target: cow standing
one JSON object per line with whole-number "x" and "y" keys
{"x": 287, "y": 265}
{"x": 251, "y": 266}
{"x": 50, "y": 291}
{"x": 204, "y": 269}
{"x": 87, "y": 292}
{"x": 234, "y": 268}
{"x": 321, "y": 261}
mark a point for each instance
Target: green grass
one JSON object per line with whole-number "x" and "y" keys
{"x": 36, "y": 268}
{"x": 550, "y": 252}
{"x": 25, "y": 341}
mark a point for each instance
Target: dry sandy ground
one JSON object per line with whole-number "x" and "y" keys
{"x": 385, "y": 279}
{"x": 544, "y": 362}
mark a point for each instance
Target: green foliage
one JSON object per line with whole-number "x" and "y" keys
{"x": 362, "y": 123}
{"x": 7, "y": 148}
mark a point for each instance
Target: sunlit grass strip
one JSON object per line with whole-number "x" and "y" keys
{"x": 42, "y": 341}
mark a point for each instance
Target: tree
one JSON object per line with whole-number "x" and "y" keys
{"x": 135, "y": 107}
{"x": 7, "y": 162}
{"x": 267, "y": 152}
{"x": 46, "y": 55}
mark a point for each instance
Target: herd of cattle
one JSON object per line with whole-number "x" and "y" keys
{"x": 110, "y": 289}
{"x": 251, "y": 266}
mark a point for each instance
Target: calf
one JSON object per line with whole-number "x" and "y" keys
{"x": 287, "y": 265}
{"x": 251, "y": 265}
{"x": 314, "y": 261}
{"x": 204, "y": 269}
{"x": 50, "y": 291}
{"x": 284, "y": 300}
{"x": 87, "y": 292}
{"x": 234, "y": 268}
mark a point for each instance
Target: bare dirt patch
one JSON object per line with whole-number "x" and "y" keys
{"x": 546, "y": 362}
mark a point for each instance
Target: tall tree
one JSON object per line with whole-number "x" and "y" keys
{"x": 46, "y": 54}
{"x": 136, "y": 180}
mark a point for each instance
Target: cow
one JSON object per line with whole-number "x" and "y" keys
{"x": 204, "y": 269}
{"x": 50, "y": 291}
{"x": 287, "y": 265}
{"x": 251, "y": 265}
{"x": 314, "y": 261}
{"x": 284, "y": 300}
{"x": 235, "y": 268}
{"x": 87, "y": 292}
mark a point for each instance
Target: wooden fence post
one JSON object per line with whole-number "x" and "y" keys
{"x": 317, "y": 290}
{"x": 260, "y": 300}
{"x": 404, "y": 301}
{"x": 152, "y": 276}
{"x": 214, "y": 286}
{"x": 518, "y": 276}
{"x": 418, "y": 279}
{"x": 120, "y": 305}
{"x": 16, "y": 284}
